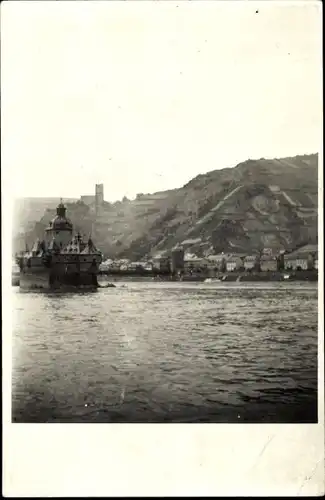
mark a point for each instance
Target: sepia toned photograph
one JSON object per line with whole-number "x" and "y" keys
{"x": 164, "y": 171}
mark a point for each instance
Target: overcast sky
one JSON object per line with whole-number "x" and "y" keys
{"x": 143, "y": 96}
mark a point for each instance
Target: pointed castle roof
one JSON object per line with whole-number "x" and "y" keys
{"x": 60, "y": 222}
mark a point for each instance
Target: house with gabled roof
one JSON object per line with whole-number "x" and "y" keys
{"x": 251, "y": 262}
{"x": 268, "y": 263}
{"x": 235, "y": 262}
{"x": 303, "y": 258}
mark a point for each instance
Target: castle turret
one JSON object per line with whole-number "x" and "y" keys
{"x": 60, "y": 228}
{"x": 99, "y": 197}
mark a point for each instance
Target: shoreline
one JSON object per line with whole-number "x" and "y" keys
{"x": 310, "y": 276}
{"x": 298, "y": 276}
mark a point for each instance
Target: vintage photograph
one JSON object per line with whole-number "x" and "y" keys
{"x": 164, "y": 171}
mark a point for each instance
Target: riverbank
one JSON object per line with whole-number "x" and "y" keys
{"x": 270, "y": 276}
{"x": 224, "y": 277}
{"x": 311, "y": 275}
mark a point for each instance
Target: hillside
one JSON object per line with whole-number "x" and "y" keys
{"x": 257, "y": 204}
{"x": 27, "y": 211}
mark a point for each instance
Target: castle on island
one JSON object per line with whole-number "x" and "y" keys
{"x": 61, "y": 259}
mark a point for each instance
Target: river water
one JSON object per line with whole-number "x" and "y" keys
{"x": 167, "y": 352}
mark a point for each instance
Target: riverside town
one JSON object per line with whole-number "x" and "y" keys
{"x": 178, "y": 263}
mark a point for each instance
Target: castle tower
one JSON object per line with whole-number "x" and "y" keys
{"x": 177, "y": 260}
{"x": 99, "y": 195}
{"x": 60, "y": 228}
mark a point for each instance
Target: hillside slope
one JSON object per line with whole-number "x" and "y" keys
{"x": 27, "y": 211}
{"x": 257, "y": 204}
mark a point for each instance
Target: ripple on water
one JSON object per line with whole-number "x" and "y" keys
{"x": 167, "y": 353}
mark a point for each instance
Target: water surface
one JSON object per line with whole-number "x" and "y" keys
{"x": 167, "y": 352}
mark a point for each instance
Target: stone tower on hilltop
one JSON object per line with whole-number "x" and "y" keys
{"x": 99, "y": 196}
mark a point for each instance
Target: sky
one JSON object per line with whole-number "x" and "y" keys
{"x": 143, "y": 96}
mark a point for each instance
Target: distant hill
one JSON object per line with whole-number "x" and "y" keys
{"x": 27, "y": 211}
{"x": 257, "y": 204}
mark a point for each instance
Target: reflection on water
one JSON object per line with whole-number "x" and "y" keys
{"x": 167, "y": 352}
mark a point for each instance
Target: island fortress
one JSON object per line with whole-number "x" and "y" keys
{"x": 60, "y": 260}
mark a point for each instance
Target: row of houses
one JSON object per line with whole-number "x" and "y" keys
{"x": 230, "y": 263}
{"x": 303, "y": 258}
{"x": 125, "y": 265}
